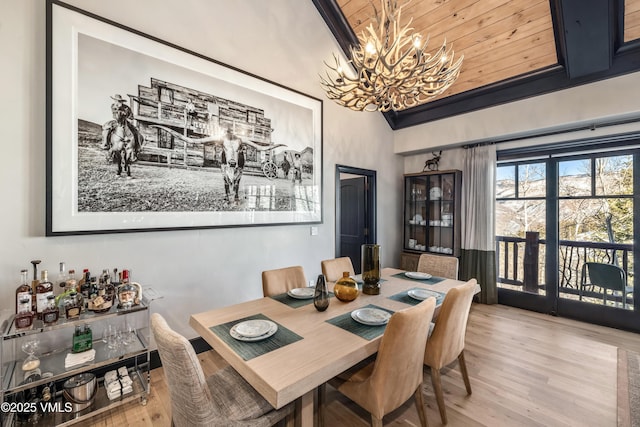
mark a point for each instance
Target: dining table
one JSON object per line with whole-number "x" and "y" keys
{"x": 309, "y": 346}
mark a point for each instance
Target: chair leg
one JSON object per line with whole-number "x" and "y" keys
{"x": 437, "y": 388}
{"x": 463, "y": 370}
{"x": 376, "y": 422}
{"x": 420, "y": 406}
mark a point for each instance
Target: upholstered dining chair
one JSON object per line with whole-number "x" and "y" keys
{"x": 223, "y": 399}
{"x": 333, "y": 268}
{"x": 446, "y": 342}
{"x": 439, "y": 265}
{"x": 385, "y": 384}
{"x": 281, "y": 280}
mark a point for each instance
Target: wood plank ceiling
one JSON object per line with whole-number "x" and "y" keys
{"x": 499, "y": 39}
{"x": 512, "y": 48}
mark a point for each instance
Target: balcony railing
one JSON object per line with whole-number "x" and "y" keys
{"x": 520, "y": 264}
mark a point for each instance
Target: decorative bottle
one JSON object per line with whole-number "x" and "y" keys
{"x": 43, "y": 290}
{"x": 321, "y": 294}
{"x": 346, "y": 289}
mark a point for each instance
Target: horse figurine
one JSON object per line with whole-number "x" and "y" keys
{"x": 122, "y": 146}
{"x": 432, "y": 164}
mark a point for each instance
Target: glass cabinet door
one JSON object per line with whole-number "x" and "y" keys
{"x": 431, "y": 213}
{"x": 416, "y": 213}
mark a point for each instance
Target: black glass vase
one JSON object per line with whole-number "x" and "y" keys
{"x": 321, "y": 295}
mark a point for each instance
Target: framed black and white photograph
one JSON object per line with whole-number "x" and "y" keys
{"x": 143, "y": 135}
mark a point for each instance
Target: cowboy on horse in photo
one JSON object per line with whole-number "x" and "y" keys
{"x": 122, "y": 115}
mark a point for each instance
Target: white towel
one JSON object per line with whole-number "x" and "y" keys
{"x": 110, "y": 377}
{"x": 74, "y": 359}
{"x": 126, "y": 381}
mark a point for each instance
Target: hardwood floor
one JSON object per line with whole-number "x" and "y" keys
{"x": 526, "y": 369}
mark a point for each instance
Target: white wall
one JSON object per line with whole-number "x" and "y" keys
{"x": 281, "y": 40}
{"x": 597, "y": 102}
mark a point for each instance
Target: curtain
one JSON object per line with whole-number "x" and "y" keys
{"x": 478, "y": 256}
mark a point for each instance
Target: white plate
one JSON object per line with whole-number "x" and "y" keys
{"x": 422, "y": 294}
{"x": 370, "y": 316}
{"x": 417, "y": 275}
{"x": 253, "y": 328}
{"x": 301, "y": 293}
{"x": 273, "y": 328}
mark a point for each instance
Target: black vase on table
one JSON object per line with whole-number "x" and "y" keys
{"x": 371, "y": 269}
{"x": 321, "y": 295}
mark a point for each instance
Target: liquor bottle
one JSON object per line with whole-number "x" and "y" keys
{"x": 50, "y": 314}
{"x": 61, "y": 280}
{"x": 71, "y": 304}
{"x": 84, "y": 278}
{"x": 24, "y": 290}
{"x": 72, "y": 283}
{"x": 43, "y": 290}
{"x": 24, "y": 316}
{"x": 85, "y": 286}
{"x": 34, "y": 283}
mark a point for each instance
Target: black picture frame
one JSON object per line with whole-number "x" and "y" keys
{"x": 191, "y": 114}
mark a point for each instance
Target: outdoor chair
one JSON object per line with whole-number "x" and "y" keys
{"x": 607, "y": 277}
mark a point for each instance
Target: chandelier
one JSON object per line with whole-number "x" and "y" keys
{"x": 392, "y": 69}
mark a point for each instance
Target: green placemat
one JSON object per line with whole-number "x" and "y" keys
{"x": 346, "y": 322}
{"x": 294, "y": 302}
{"x": 250, "y": 349}
{"x": 431, "y": 281}
{"x": 405, "y": 298}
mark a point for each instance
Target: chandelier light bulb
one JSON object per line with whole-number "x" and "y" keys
{"x": 392, "y": 69}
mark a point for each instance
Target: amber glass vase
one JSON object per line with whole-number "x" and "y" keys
{"x": 371, "y": 269}
{"x": 346, "y": 289}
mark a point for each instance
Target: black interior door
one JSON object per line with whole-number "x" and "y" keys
{"x": 353, "y": 233}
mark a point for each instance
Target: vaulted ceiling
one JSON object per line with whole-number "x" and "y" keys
{"x": 512, "y": 49}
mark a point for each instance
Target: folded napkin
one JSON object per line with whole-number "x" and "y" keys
{"x": 74, "y": 359}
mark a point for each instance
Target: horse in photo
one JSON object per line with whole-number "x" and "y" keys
{"x": 122, "y": 146}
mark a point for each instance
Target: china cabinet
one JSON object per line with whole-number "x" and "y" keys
{"x": 431, "y": 215}
{"x": 34, "y": 392}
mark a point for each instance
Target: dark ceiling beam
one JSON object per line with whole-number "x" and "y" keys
{"x": 585, "y": 32}
{"x": 622, "y": 59}
{"x": 337, "y": 23}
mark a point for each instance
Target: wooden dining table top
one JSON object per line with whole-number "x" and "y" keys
{"x": 322, "y": 351}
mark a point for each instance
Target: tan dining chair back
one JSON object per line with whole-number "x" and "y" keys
{"x": 333, "y": 268}
{"x": 439, "y": 265}
{"x": 387, "y": 383}
{"x": 446, "y": 342}
{"x": 223, "y": 399}
{"x": 281, "y": 280}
